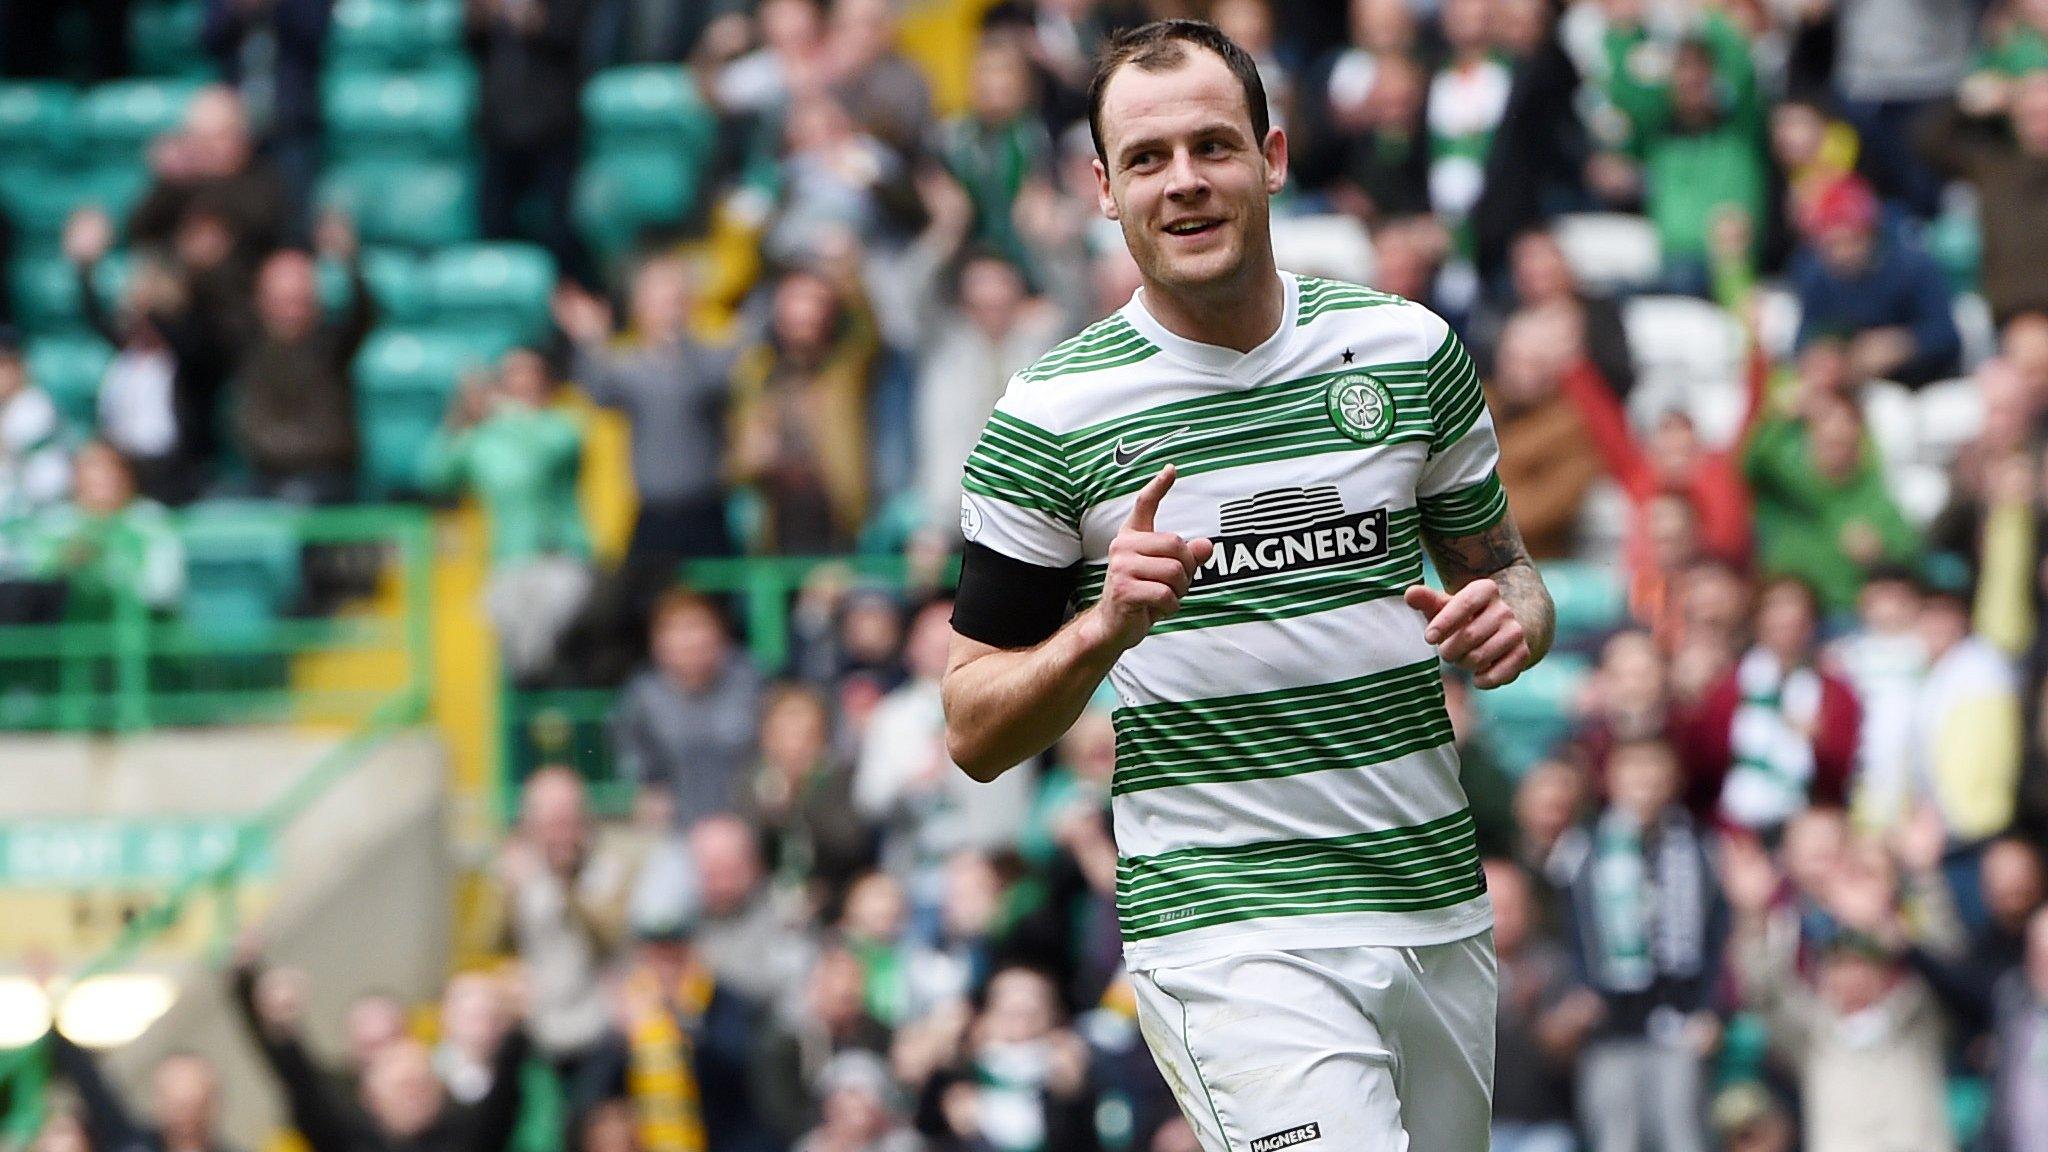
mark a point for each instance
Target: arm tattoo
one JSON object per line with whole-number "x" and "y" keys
{"x": 1499, "y": 554}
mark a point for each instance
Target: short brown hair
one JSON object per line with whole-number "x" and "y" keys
{"x": 1159, "y": 46}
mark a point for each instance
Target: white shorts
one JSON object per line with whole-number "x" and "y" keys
{"x": 1364, "y": 1049}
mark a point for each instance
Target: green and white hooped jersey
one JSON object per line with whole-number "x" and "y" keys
{"x": 1284, "y": 762}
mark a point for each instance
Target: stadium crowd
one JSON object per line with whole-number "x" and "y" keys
{"x": 1770, "y": 879}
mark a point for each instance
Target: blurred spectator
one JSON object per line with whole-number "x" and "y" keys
{"x": 1541, "y": 277}
{"x": 270, "y": 52}
{"x": 996, "y": 329}
{"x": 835, "y": 180}
{"x": 162, "y": 390}
{"x": 530, "y": 55}
{"x": 1868, "y": 285}
{"x": 1671, "y": 461}
{"x": 521, "y": 457}
{"x": 295, "y": 413}
{"x": 473, "y": 1025}
{"x": 1778, "y": 732}
{"x": 2019, "y": 1114}
{"x": 1966, "y": 732}
{"x": 1627, "y": 699}
{"x": 403, "y": 1107}
{"x": 1249, "y": 24}
{"x": 672, "y": 391}
{"x": 35, "y": 462}
{"x": 1893, "y": 60}
{"x": 798, "y": 423}
{"x": 1865, "y": 1041}
{"x": 210, "y": 167}
{"x": 1020, "y": 1081}
{"x": 801, "y": 798}
{"x": 883, "y": 91}
{"x": 1550, "y": 806}
{"x": 998, "y": 145}
{"x": 1699, "y": 140}
{"x": 1543, "y": 1019}
{"x": 792, "y": 55}
{"x": 184, "y": 1102}
{"x": 1823, "y": 513}
{"x": 1467, "y": 99}
{"x": 687, "y": 726}
{"x": 1964, "y": 965}
{"x": 1533, "y": 158}
{"x": 1360, "y": 131}
{"x": 793, "y": 1065}
{"x": 678, "y": 1051}
{"x": 108, "y": 547}
{"x": 560, "y": 905}
{"x": 1882, "y": 660}
{"x": 2004, "y": 165}
{"x": 928, "y": 808}
{"x": 1543, "y": 464}
{"x": 740, "y": 929}
{"x": 1646, "y": 926}
{"x": 372, "y": 1022}
{"x": 859, "y": 1112}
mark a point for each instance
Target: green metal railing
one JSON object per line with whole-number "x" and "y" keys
{"x": 572, "y": 727}
{"x": 226, "y": 654}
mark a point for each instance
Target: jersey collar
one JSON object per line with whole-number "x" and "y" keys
{"x": 1215, "y": 357}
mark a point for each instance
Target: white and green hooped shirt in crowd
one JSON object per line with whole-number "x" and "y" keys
{"x": 1284, "y": 759}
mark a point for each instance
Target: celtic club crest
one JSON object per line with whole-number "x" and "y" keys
{"x": 1361, "y": 407}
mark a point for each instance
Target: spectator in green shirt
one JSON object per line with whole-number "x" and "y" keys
{"x": 521, "y": 458}
{"x": 108, "y": 544}
{"x": 1823, "y": 513}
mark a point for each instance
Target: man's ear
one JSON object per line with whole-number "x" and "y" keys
{"x": 1104, "y": 199}
{"x": 1275, "y": 152}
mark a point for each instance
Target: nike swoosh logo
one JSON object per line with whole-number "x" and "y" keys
{"x": 1124, "y": 452}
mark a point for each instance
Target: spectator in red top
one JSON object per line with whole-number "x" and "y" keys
{"x": 1672, "y": 461}
{"x": 1775, "y": 733}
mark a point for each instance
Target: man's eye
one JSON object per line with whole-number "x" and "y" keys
{"x": 1214, "y": 148}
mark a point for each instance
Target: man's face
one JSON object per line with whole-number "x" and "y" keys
{"x": 1183, "y": 175}
{"x": 187, "y": 1095}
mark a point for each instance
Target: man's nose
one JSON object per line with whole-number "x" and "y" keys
{"x": 1183, "y": 176}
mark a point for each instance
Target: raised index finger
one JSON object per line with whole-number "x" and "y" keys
{"x": 1467, "y": 604}
{"x": 1147, "y": 506}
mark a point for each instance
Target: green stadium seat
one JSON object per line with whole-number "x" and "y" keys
{"x": 165, "y": 40}
{"x": 46, "y": 291}
{"x": 1591, "y": 598}
{"x": 36, "y": 123}
{"x": 397, "y": 280}
{"x": 117, "y": 121}
{"x": 647, "y": 107}
{"x": 493, "y": 286}
{"x": 1525, "y": 720}
{"x": 69, "y": 369}
{"x": 621, "y": 196}
{"x": 45, "y": 295}
{"x": 400, "y": 116}
{"x": 393, "y": 35}
{"x": 241, "y": 566}
{"x": 405, "y": 379}
{"x": 406, "y": 205}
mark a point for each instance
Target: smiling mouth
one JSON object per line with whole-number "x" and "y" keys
{"x": 1192, "y": 227}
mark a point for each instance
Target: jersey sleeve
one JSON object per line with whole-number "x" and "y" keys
{"x": 1459, "y": 491}
{"x": 1017, "y": 493}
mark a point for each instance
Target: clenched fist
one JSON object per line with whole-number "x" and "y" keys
{"x": 1475, "y": 630}
{"x": 1149, "y": 570}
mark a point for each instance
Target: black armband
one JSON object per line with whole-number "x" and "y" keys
{"x": 1008, "y": 603}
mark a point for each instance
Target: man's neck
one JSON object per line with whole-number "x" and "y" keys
{"x": 1240, "y": 317}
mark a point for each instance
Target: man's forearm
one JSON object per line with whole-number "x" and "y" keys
{"x": 1498, "y": 554}
{"x": 1004, "y": 707}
